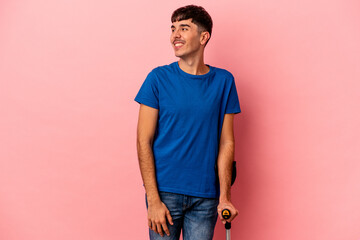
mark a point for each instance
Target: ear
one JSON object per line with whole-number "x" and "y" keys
{"x": 204, "y": 37}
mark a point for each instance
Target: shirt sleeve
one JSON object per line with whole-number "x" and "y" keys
{"x": 149, "y": 92}
{"x": 233, "y": 105}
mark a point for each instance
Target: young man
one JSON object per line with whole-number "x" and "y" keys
{"x": 185, "y": 138}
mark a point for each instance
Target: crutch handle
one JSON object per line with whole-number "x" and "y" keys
{"x": 225, "y": 213}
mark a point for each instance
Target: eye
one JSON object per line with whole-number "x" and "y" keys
{"x": 184, "y": 28}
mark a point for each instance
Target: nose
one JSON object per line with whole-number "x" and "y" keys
{"x": 176, "y": 33}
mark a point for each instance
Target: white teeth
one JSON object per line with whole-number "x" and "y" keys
{"x": 178, "y": 44}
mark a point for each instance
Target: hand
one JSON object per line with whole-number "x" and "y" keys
{"x": 228, "y": 205}
{"x": 157, "y": 215}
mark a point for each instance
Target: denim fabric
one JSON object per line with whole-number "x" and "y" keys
{"x": 195, "y": 216}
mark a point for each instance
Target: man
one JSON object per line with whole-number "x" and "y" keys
{"x": 185, "y": 138}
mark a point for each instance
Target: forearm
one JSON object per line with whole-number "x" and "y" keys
{"x": 225, "y": 161}
{"x": 147, "y": 169}
{"x": 158, "y": 213}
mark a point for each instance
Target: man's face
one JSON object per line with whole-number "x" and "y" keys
{"x": 185, "y": 38}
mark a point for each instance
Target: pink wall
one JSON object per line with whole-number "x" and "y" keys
{"x": 69, "y": 71}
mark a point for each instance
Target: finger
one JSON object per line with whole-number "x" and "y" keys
{"x": 220, "y": 214}
{"x": 166, "y": 230}
{"x": 159, "y": 229}
{"x": 221, "y": 217}
{"x": 153, "y": 227}
{"x": 149, "y": 223}
{"x": 169, "y": 218}
{"x": 233, "y": 215}
{"x": 236, "y": 213}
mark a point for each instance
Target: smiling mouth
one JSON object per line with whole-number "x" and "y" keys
{"x": 178, "y": 45}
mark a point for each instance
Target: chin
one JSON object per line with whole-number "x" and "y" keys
{"x": 177, "y": 54}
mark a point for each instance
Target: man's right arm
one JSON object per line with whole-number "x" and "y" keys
{"x": 157, "y": 211}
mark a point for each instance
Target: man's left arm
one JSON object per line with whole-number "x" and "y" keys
{"x": 225, "y": 161}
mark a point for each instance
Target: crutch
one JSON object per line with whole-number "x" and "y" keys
{"x": 226, "y": 214}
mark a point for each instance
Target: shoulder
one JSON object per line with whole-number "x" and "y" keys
{"x": 163, "y": 69}
{"x": 162, "y": 73}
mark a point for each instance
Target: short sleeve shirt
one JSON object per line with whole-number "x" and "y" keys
{"x": 191, "y": 113}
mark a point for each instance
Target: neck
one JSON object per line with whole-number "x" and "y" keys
{"x": 193, "y": 66}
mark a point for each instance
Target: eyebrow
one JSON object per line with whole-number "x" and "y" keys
{"x": 181, "y": 25}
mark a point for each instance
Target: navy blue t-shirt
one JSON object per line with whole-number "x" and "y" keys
{"x": 191, "y": 113}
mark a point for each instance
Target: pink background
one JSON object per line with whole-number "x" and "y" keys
{"x": 69, "y": 71}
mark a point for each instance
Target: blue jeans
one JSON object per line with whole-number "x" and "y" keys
{"x": 194, "y": 215}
